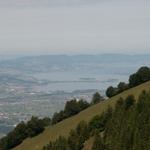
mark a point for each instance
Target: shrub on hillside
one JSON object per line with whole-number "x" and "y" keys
{"x": 141, "y": 76}
{"x": 98, "y": 143}
{"x": 23, "y": 130}
{"x": 111, "y": 91}
{"x": 126, "y": 127}
{"x": 72, "y": 107}
{"x": 96, "y": 98}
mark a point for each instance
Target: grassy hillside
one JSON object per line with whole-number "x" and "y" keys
{"x": 63, "y": 128}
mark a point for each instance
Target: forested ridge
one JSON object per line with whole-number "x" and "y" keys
{"x": 141, "y": 76}
{"x": 126, "y": 127}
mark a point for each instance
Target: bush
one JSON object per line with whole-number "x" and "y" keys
{"x": 34, "y": 127}
{"x": 78, "y": 136}
{"x": 75, "y": 141}
{"x": 98, "y": 143}
{"x": 98, "y": 123}
{"x": 59, "y": 144}
{"x": 72, "y": 107}
{"x": 127, "y": 127}
{"x": 122, "y": 86}
{"x": 111, "y": 91}
{"x": 23, "y": 130}
{"x": 130, "y": 100}
{"x": 97, "y": 98}
{"x": 141, "y": 76}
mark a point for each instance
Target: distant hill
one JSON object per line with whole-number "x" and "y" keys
{"x": 47, "y": 63}
{"x": 63, "y": 128}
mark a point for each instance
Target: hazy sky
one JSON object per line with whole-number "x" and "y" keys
{"x": 74, "y": 26}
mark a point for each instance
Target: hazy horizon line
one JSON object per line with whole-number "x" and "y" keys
{"x": 78, "y": 54}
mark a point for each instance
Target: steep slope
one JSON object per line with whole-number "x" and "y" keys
{"x": 63, "y": 128}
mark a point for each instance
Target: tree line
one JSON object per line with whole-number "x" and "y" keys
{"x": 36, "y": 126}
{"x": 73, "y": 107}
{"x": 125, "y": 127}
{"x": 22, "y": 131}
{"x": 141, "y": 76}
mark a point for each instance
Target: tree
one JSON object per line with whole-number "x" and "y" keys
{"x": 57, "y": 117}
{"x": 83, "y": 104}
{"x": 96, "y": 124}
{"x": 34, "y": 127}
{"x": 72, "y": 108}
{"x": 144, "y": 73}
{"x": 130, "y": 100}
{"x": 97, "y": 98}
{"x": 134, "y": 80}
{"x": 141, "y": 76}
{"x": 126, "y": 127}
{"x": 111, "y": 91}
{"x": 60, "y": 144}
{"x": 46, "y": 121}
{"x": 122, "y": 86}
{"x": 78, "y": 136}
{"x": 98, "y": 143}
{"x": 23, "y": 130}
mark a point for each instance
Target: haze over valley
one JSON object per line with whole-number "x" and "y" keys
{"x": 40, "y": 85}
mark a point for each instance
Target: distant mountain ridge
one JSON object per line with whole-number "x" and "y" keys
{"x": 65, "y": 62}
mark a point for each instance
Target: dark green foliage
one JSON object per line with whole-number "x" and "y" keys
{"x": 83, "y": 104}
{"x": 111, "y": 91}
{"x": 75, "y": 141}
{"x": 126, "y": 127}
{"x": 130, "y": 100}
{"x": 129, "y": 127}
{"x": 14, "y": 138}
{"x": 22, "y": 131}
{"x": 78, "y": 136}
{"x": 57, "y": 117}
{"x": 98, "y": 123}
{"x": 72, "y": 107}
{"x": 98, "y": 143}
{"x": 122, "y": 86}
{"x": 134, "y": 80}
{"x": 141, "y": 76}
{"x": 59, "y": 144}
{"x": 97, "y": 98}
{"x": 34, "y": 127}
{"x": 46, "y": 121}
